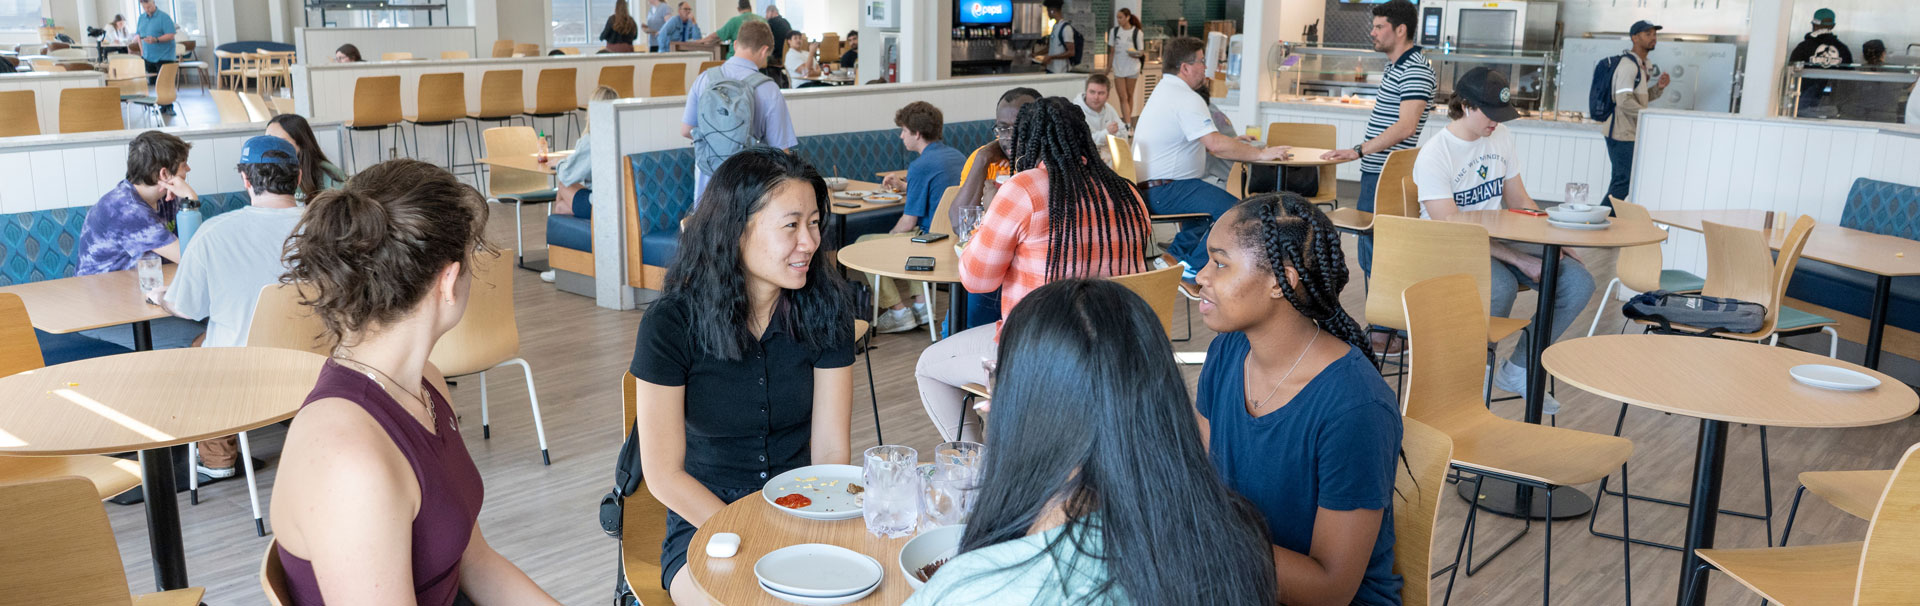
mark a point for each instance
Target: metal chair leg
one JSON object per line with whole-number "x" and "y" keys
{"x": 533, "y": 400}
{"x": 872, "y": 394}
{"x": 253, "y": 492}
{"x": 486, "y": 426}
{"x": 1791, "y": 512}
{"x": 1546, "y": 580}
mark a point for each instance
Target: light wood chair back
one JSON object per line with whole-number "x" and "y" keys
{"x": 619, "y": 78}
{"x": 60, "y": 548}
{"x": 642, "y": 517}
{"x": 569, "y": 50}
{"x": 707, "y": 65}
{"x": 555, "y": 92}
{"x": 1447, "y": 320}
{"x": 668, "y": 80}
{"x": 257, "y": 108}
{"x": 166, "y": 89}
{"x": 128, "y": 72}
{"x": 502, "y": 94}
{"x": 487, "y": 334}
{"x": 1639, "y": 266}
{"x": 19, "y": 348}
{"x": 830, "y": 48}
{"x": 45, "y": 65}
{"x": 1740, "y": 265}
{"x": 1306, "y": 134}
{"x": 446, "y": 55}
{"x": 507, "y": 141}
{"x": 942, "y": 215}
{"x": 1407, "y": 251}
{"x": 85, "y": 110}
{"x": 396, "y": 56}
{"x": 232, "y": 110}
{"x": 1416, "y": 487}
{"x": 502, "y": 49}
{"x": 1122, "y": 152}
{"x": 441, "y": 97}
{"x": 1143, "y": 88}
{"x": 1892, "y": 552}
{"x": 68, "y": 53}
{"x": 281, "y": 321}
{"x": 1218, "y": 86}
{"x": 22, "y": 112}
{"x": 526, "y": 50}
{"x": 376, "y": 101}
{"x": 273, "y": 577}
{"x": 1395, "y": 195}
{"x": 1159, "y": 288}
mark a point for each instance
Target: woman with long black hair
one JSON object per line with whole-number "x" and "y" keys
{"x": 1296, "y": 416}
{"x": 316, "y": 172}
{"x": 1065, "y": 214}
{"x": 1098, "y": 490}
{"x": 744, "y": 363}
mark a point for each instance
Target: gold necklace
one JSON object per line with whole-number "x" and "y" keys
{"x": 1283, "y": 378}
{"x": 433, "y": 417}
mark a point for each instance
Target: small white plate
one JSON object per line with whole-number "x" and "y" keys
{"x": 1833, "y": 377}
{"x": 818, "y": 570}
{"x": 850, "y": 195}
{"x": 884, "y": 197}
{"x": 812, "y": 601}
{"x": 1580, "y": 226}
{"x": 825, "y": 485}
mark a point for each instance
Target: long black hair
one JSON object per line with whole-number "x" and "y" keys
{"x": 312, "y": 159}
{"x": 1290, "y": 232}
{"x": 710, "y": 277}
{"x": 1085, "y": 198}
{"x": 1091, "y": 415}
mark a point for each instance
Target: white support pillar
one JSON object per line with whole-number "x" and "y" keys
{"x": 1767, "y": 45}
{"x": 277, "y": 20}
{"x": 926, "y": 52}
{"x": 1267, "y": 23}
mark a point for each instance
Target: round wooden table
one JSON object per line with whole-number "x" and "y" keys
{"x": 888, "y": 257}
{"x": 730, "y": 581}
{"x": 150, "y": 401}
{"x": 1719, "y": 381}
{"x": 1301, "y": 156}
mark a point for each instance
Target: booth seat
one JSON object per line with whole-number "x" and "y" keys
{"x": 1879, "y": 207}
{"x": 659, "y": 190}
{"x": 44, "y": 244}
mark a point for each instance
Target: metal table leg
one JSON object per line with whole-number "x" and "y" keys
{"x": 1877, "y": 319}
{"x": 1703, "y": 516}
{"x": 143, "y": 336}
{"x": 163, "y": 519}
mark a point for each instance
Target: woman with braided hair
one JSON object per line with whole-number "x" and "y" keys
{"x": 1295, "y": 415}
{"x": 1064, "y": 214}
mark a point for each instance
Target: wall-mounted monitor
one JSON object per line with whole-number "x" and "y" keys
{"x": 983, "y": 12}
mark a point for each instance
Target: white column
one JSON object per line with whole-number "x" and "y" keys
{"x": 484, "y": 16}
{"x": 1768, "y": 24}
{"x": 1267, "y": 23}
{"x": 926, "y": 51}
{"x": 277, "y": 19}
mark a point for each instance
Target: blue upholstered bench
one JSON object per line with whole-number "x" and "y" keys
{"x": 1879, "y": 207}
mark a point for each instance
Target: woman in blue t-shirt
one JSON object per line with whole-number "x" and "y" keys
{"x": 1296, "y": 416}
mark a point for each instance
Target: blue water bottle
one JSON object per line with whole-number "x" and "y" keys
{"x": 187, "y": 222}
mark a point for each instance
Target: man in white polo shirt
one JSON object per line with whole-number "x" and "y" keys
{"x": 1170, "y": 148}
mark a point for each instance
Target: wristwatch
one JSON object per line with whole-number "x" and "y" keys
{"x": 1356, "y": 148}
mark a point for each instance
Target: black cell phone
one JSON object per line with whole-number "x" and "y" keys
{"x": 846, "y": 205}
{"x": 925, "y": 238}
{"x": 919, "y": 263}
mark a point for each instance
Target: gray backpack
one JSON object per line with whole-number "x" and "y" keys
{"x": 725, "y": 119}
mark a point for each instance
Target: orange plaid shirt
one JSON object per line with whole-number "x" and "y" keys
{"x": 1009, "y": 250}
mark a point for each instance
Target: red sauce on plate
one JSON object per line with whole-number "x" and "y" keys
{"x": 793, "y": 501}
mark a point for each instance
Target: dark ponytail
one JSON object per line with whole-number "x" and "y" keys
{"x": 1291, "y": 232}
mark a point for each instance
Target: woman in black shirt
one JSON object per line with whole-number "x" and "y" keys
{"x": 745, "y": 362}
{"x": 621, "y": 30}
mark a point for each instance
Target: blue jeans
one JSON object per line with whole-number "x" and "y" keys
{"x": 1369, "y": 184}
{"x": 1620, "y": 153}
{"x": 1575, "y": 288}
{"x": 982, "y": 308}
{"x": 1190, "y": 196}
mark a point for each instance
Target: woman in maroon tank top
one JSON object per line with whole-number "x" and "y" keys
{"x": 377, "y": 498}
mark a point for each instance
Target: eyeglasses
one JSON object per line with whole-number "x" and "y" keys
{"x": 1002, "y": 132}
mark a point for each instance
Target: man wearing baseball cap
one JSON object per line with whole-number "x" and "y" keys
{"x": 1473, "y": 164}
{"x": 1633, "y": 88}
{"x": 1819, "y": 49}
{"x": 230, "y": 258}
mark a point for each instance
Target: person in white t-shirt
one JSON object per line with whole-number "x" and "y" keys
{"x": 1124, "y": 43}
{"x": 1061, "y": 44}
{"x": 1472, "y": 164}
{"x": 1170, "y": 147}
{"x": 801, "y": 67}
{"x": 1102, "y": 118}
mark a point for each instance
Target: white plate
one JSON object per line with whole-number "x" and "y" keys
{"x": 816, "y": 570}
{"x": 1579, "y": 226}
{"x": 941, "y": 542}
{"x": 825, "y": 485}
{"x": 811, "y": 601}
{"x": 1833, "y": 377}
{"x": 883, "y": 198}
{"x": 850, "y": 195}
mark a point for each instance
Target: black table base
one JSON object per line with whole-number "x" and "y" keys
{"x": 163, "y": 518}
{"x": 1877, "y": 319}
{"x": 1703, "y": 516}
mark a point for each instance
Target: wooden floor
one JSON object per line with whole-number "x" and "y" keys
{"x": 544, "y": 518}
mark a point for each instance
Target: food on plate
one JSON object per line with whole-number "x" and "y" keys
{"x": 853, "y": 488}
{"x": 793, "y": 501}
{"x": 925, "y": 573}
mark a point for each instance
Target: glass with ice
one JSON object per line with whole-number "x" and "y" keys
{"x": 892, "y": 502}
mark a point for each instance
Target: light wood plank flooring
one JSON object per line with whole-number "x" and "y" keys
{"x": 544, "y": 518}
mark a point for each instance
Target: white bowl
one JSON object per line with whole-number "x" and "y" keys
{"x": 927, "y": 547}
{"x": 1579, "y": 213}
{"x": 836, "y": 183}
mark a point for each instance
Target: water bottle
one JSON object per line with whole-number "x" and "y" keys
{"x": 187, "y": 222}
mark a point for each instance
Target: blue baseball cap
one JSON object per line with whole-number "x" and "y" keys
{"x": 1641, "y": 26}
{"x": 254, "y": 151}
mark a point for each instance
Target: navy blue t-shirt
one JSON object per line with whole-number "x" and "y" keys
{"x": 1334, "y": 445}
{"x": 929, "y": 176}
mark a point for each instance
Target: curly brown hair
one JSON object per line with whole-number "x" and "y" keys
{"x": 369, "y": 251}
{"x": 920, "y": 118}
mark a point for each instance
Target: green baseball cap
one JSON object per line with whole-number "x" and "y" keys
{"x": 1823, "y": 16}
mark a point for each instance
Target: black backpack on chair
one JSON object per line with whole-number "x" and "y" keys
{"x": 1711, "y": 315}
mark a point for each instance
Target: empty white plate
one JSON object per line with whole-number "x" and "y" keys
{"x": 1833, "y": 377}
{"x": 1580, "y": 226}
{"x": 810, "y": 601}
{"x": 817, "y": 570}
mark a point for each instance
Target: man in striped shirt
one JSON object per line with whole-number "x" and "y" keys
{"x": 1399, "y": 111}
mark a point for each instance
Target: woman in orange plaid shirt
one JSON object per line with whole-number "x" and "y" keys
{"x": 1065, "y": 214}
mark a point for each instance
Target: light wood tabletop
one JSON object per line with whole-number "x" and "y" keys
{"x": 70, "y": 305}
{"x": 529, "y": 162}
{"x": 1722, "y": 380}
{"x": 865, "y": 187}
{"x": 151, "y": 399}
{"x": 1301, "y": 156}
{"x": 900, "y": 174}
{"x": 1850, "y": 248}
{"x": 888, "y": 257}
{"x": 1517, "y": 227}
{"x": 762, "y": 529}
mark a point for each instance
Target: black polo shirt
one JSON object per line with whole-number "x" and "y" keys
{"x": 747, "y": 420}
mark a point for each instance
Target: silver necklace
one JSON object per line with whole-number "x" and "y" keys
{"x": 1283, "y": 378}
{"x": 433, "y": 417}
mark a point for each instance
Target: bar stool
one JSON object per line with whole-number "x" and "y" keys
{"x": 526, "y": 50}
{"x": 513, "y": 186}
{"x": 617, "y": 77}
{"x": 376, "y": 107}
{"x": 22, "y": 112}
{"x": 668, "y": 80}
{"x": 85, "y": 110}
{"x": 502, "y": 49}
{"x": 442, "y": 101}
{"x": 555, "y": 96}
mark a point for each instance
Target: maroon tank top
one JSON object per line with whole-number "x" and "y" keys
{"x": 450, "y": 487}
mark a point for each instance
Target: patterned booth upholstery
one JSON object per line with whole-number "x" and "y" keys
{"x": 44, "y": 244}
{"x": 1880, "y": 207}
{"x": 661, "y": 192}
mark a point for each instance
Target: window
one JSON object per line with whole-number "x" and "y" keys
{"x": 578, "y": 22}
{"x": 19, "y": 15}
{"x": 185, "y": 13}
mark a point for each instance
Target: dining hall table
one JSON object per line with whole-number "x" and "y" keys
{"x": 69, "y": 305}
{"x": 887, "y": 258}
{"x": 762, "y": 529}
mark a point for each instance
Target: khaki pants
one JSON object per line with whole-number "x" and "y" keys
{"x": 886, "y": 291}
{"x": 220, "y": 453}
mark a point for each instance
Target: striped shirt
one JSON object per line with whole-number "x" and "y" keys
{"x": 1409, "y": 78}
{"x": 1009, "y": 251}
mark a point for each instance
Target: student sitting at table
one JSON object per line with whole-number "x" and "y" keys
{"x": 1064, "y": 215}
{"x": 347, "y": 53}
{"x": 117, "y": 33}
{"x": 681, "y": 27}
{"x": 230, "y": 258}
{"x": 1098, "y": 489}
{"x": 1102, "y": 118}
{"x": 316, "y": 171}
{"x": 987, "y": 167}
{"x": 574, "y": 173}
{"x": 1473, "y": 164}
{"x": 936, "y": 168}
{"x": 377, "y": 500}
{"x": 132, "y": 218}
{"x": 802, "y": 68}
{"x": 1296, "y": 416}
{"x": 744, "y": 364}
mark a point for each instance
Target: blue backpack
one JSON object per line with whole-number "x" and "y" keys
{"x": 1600, "y": 96}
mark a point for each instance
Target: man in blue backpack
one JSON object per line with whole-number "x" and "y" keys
{"x": 734, "y": 107}
{"x": 1633, "y": 88}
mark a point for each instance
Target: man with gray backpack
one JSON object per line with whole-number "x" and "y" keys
{"x": 734, "y": 107}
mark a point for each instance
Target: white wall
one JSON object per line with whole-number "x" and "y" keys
{"x": 1858, "y": 21}
{"x": 817, "y": 17}
{"x": 524, "y": 22}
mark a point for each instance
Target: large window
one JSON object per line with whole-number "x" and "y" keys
{"x": 185, "y": 13}
{"x": 19, "y": 15}
{"x": 578, "y": 22}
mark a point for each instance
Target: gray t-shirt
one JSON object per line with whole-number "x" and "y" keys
{"x": 224, "y": 267}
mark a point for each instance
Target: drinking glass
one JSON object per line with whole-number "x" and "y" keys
{"x": 969, "y": 221}
{"x": 951, "y": 480}
{"x": 149, "y": 269}
{"x": 1576, "y": 193}
{"x": 892, "y": 504}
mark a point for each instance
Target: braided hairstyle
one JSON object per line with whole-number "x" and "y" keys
{"x": 1084, "y": 196}
{"x": 1291, "y": 232}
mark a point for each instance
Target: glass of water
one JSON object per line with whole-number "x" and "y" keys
{"x": 1576, "y": 193}
{"x": 150, "y": 277}
{"x": 892, "y": 504}
{"x": 951, "y": 480}
{"x": 969, "y": 221}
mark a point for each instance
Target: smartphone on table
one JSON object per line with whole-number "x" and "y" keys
{"x": 919, "y": 263}
{"x": 925, "y": 238}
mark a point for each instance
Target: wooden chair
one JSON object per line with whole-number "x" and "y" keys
{"x": 60, "y": 549}
{"x": 442, "y": 101}
{"x": 1393, "y": 196}
{"x": 1853, "y": 492}
{"x": 1159, "y": 287}
{"x": 942, "y": 222}
{"x": 20, "y": 352}
{"x": 487, "y": 338}
{"x": 1408, "y": 251}
{"x": 273, "y": 577}
{"x": 1447, "y": 327}
{"x": 232, "y": 109}
{"x": 642, "y": 518}
{"x": 707, "y": 65}
{"x": 1741, "y": 266}
{"x": 165, "y": 92}
{"x": 1417, "y": 487}
{"x": 829, "y": 48}
{"x": 399, "y": 56}
{"x": 1640, "y": 267}
{"x": 281, "y": 321}
{"x": 275, "y": 72}
{"x": 526, "y": 50}
{"x": 129, "y": 73}
{"x": 502, "y": 96}
{"x": 22, "y": 111}
{"x": 281, "y": 105}
{"x": 502, "y": 49}
{"x": 189, "y": 63}
{"x": 85, "y": 110}
{"x": 1122, "y": 152}
{"x": 569, "y": 50}
{"x": 513, "y": 186}
{"x": 257, "y": 108}
{"x": 1879, "y": 570}
{"x": 1320, "y": 136}
{"x": 668, "y": 80}
{"x": 617, "y": 77}
{"x": 556, "y": 96}
{"x": 229, "y": 66}
{"x": 376, "y": 107}
{"x": 447, "y": 55}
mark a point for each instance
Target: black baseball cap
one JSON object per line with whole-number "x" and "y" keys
{"x": 1486, "y": 90}
{"x": 1641, "y": 26}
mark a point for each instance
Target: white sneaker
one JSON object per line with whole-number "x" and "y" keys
{"x": 214, "y": 473}
{"x": 895, "y": 320}
{"x": 1513, "y": 378}
{"x": 922, "y": 314}
{"x": 547, "y": 276}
